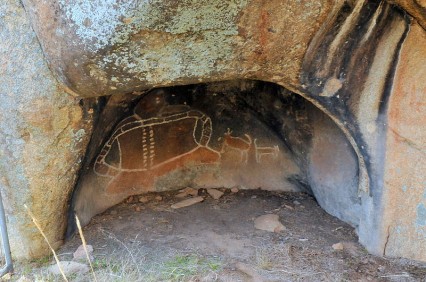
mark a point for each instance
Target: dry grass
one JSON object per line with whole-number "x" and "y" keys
{"x": 134, "y": 262}
{"x": 181, "y": 267}
{"x": 47, "y": 241}
{"x": 83, "y": 240}
{"x": 284, "y": 261}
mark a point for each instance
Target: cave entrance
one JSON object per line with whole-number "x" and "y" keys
{"x": 234, "y": 134}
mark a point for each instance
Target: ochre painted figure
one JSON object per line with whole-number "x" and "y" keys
{"x": 143, "y": 149}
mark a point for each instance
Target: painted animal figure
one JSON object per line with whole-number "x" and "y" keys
{"x": 265, "y": 151}
{"x": 241, "y": 145}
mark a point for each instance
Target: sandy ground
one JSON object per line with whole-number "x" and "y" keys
{"x": 215, "y": 240}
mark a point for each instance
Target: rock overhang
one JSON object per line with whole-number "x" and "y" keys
{"x": 101, "y": 48}
{"x": 254, "y": 40}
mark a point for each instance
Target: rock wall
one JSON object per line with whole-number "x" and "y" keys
{"x": 249, "y": 134}
{"x": 345, "y": 57}
{"x": 43, "y": 134}
{"x": 404, "y": 220}
{"x": 333, "y": 170}
{"x": 201, "y": 136}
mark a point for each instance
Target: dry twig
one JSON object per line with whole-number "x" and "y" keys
{"x": 83, "y": 240}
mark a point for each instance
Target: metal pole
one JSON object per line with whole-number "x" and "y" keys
{"x": 5, "y": 241}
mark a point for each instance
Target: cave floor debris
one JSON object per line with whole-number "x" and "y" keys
{"x": 215, "y": 240}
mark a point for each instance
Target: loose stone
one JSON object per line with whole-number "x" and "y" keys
{"x": 187, "y": 202}
{"x": 214, "y": 193}
{"x": 269, "y": 222}
{"x": 143, "y": 199}
{"x": 338, "y": 246}
{"x": 80, "y": 253}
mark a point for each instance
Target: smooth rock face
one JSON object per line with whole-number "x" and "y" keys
{"x": 333, "y": 171}
{"x": 43, "y": 135}
{"x": 404, "y": 215}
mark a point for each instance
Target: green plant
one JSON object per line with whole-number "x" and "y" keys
{"x": 182, "y": 268}
{"x": 43, "y": 261}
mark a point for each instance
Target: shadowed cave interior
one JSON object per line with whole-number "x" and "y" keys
{"x": 246, "y": 134}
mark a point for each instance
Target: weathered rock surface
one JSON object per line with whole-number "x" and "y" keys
{"x": 43, "y": 135}
{"x": 404, "y": 216}
{"x": 416, "y": 8}
{"x": 132, "y": 46}
{"x": 357, "y": 61}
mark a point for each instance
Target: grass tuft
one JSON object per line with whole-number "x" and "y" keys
{"x": 183, "y": 268}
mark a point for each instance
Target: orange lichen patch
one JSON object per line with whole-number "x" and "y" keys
{"x": 143, "y": 181}
{"x": 404, "y": 175}
{"x": 259, "y": 52}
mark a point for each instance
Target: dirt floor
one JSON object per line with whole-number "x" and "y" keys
{"x": 215, "y": 240}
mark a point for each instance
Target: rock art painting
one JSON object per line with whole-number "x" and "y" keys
{"x": 177, "y": 137}
{"x": 160, "y": 138}
{"x": 264, "y": 152}
{"x": 238, "y": 144}
{"x": 142, "y": 149}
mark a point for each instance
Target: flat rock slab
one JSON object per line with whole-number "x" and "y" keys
{"x": 269, "y": 222}
{"x": 187, "y": 202}
{"x": 214, "y": 193}
{"x": 69, "y": 267}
